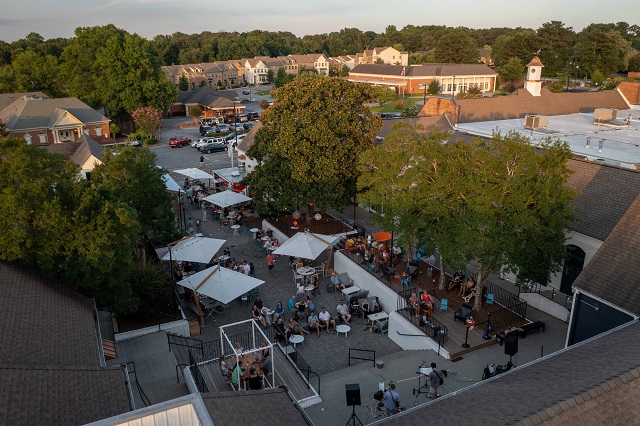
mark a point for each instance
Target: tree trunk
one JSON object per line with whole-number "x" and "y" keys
{"x": 310, "y": 213}
{"x": 483, "y": 274}
{"x": 443, "y": 277}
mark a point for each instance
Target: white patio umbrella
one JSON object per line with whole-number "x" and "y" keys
{"x": 221, "y": 284}
{"x": 170, "y": 183}
{"x": 227, "y": 198}
{"x": 306, "y": 245}
{"x": 194, "y": 173}
{"x": 195, "y": 249}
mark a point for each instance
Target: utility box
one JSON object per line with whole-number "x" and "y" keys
{"x": 535, "y": 121}
{"x": 605, "y": 114}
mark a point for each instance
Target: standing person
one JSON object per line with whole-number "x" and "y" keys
{"x": 435, "y": 378}
{"x": 204, "y": 212}
{"x": 270, "y": 261}
{"x": 190, "y": 225}
{"x": 391, "y": 400}
{"x": 201, "y": 161}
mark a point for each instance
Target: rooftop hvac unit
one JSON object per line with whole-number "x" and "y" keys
{"x": 235, "y": 173}
{"x": 605, "y": 114}
{"x": 535, "y": 121}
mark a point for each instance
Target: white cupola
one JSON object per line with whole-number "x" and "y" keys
{"x": 534, "y": 74}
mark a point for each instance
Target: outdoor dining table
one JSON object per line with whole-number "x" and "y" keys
{"x": 235, "y": 229}
{"x": 306, "y": 272}
{"x": 350, "y": 290}
{"x": 254, "y": 231}
{"x": 265, "y": 238}
{"x": 411, "y": 270}
{"x": 377, "y": 319}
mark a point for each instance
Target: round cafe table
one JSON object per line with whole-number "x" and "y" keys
{"x": 295, "y": 339}
{"x": 254, "y": 231}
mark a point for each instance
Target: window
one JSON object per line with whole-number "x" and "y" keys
{"x": 27, "y": 138}
{"x": 98, "y": 131}
{"x": 43, "y": 137}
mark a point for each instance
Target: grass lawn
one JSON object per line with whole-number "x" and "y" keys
{"x": 262, "y": 92}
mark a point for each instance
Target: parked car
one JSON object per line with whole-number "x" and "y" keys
{"x": 232, "y": 136}
{"x": 207, "y": 129}
{"x": 242, "y": 118}
{"x": 223, "y": 127}
{"x": 213, "y": 147}
{"x": 246, "y": 92}
{"x": 178, "y": 141}
{"x": 198, "y": 141}
{"x": 249, "y": 124}
{"x": 253, "y": 115}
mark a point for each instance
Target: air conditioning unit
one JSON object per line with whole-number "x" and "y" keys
{"x": 235, "y": 173}
{"x": 535, "y": 121}
{"x": 605, "y": 114}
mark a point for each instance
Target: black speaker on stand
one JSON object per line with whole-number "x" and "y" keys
{"x": 352, "y": 392}
{"x": 511, "y": 345}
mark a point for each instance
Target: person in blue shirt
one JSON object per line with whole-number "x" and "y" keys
{"x": 391, "y": 400}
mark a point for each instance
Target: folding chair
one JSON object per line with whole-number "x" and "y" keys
{"x": 490, "y": 298}
{"x": 444, "y": 305}
{"x": 406, "y": 280}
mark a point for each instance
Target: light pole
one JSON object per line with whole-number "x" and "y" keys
{"x": 453, "y": 87}
{"x": 235, "y": 128}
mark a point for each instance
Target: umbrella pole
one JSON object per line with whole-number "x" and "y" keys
{"x": 326, "y": 268}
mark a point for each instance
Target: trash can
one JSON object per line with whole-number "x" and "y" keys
{"x": 429, "y": 271}
{"x": 380, "y": 363}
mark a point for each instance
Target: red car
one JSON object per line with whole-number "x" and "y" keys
{"x": 179, "y": 142}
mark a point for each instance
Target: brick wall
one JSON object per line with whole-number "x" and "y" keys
{"x": 439, "y": 106}
{"x": 631, "y": 91}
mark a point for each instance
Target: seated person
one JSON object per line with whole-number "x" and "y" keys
{"x": 263, "y": 357}
{"x": 296, "y": 328}
{"x": 238, "y": 349}
{"x": 281, "y": 330}
{"x": 343, "y": 311}
{"x": 456, "y": 280}
{"x": 238, "y": 218}
{"x": 258, "y": 303}
{"x": 472, "y": 294}
{"x": 426, "y": 301}
{"x": 467, "y": 287}
{"x": 224, "y": 369}
{"x": 259, "y": 234}
{"x": 279, "y": 311}
{"x": 414, "y": 304}
{"x": 376, "y": 306}
{"x": 238, "y": 372}
{"x": 269, "y": 233}
{"x": 365, "y": 309}
{"x": 254, "y": 380}
{"x": 300, "y": 292}
{"x": 292, "y": 303}
{"x": 257, "y": 315}
{"x": 315, "y": 281}
{"x": 313, "y": 322}
{"x": 384, "y": 258}
{"x": 355, "y": 307}
{"x": 309, "y": 305}
{"x": 325, "y": 320}
{"x": 226, "y": 251}
{"x": 336, "y": 282}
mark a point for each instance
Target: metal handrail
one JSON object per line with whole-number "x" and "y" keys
{"x": 143, "y": 396}
{"x": 363, "y": 359}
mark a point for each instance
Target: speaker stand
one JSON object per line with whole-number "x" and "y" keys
{"x": 419, "y": 390}
{"x": 353, "y": 420}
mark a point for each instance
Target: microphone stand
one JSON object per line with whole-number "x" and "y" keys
{"x": 419, "y": 390}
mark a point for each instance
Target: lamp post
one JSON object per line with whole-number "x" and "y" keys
{"x": 453, "y": 87}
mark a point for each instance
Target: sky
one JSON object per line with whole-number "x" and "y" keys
{"x": 148, "y": 18}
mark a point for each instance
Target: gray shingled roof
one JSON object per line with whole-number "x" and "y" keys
{"x": 246, "y": 143}
{"x": 521, "y": 102}
{"x": 426, "y": 70}
{"x": 36, "y": 113}
{"x": 613, "y": 272}
{"x": 45, "y": 395}
{"x": 536, "y": 390}
{"x": 264, "y": 407}
{"x": 7, "y": 99}
{"x": 606, "y": 194}
{"x": 205, "y": 95}
{"x": 88, "y": 147}
{"x": 44, "y": 323}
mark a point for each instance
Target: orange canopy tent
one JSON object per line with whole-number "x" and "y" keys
{"x": 382, "y": 237}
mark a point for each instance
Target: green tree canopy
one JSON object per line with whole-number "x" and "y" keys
{"x": 434, "y": 88}
{"x": 598, "y": 47}
{"x": 555, "y": 42}
{"x": 382, "y": 94}
{"x": 457, "y": 46}
{"x": 309, "y": 144}
{"x": 148, "y": 119}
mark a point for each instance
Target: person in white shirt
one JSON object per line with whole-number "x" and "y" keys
{"x": 343, "y": 311}
{"x": 246, "y": 269}
{"x": 325, "y": 320}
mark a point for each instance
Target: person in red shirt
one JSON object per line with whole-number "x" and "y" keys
{"x": 270, "y": 261}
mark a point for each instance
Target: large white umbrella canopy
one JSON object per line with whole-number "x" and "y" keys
{"x": 227, "y": 198}
{"x": 194, "y": 173}
{"x": 170, "y": 183}
{"x": 306, "y": 245}
{"x": 195, "y": 249}
{"x": 221, "y": 284}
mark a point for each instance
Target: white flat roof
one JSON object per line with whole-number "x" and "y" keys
{"x": 620, "y": 144}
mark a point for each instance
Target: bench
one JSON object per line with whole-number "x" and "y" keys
{"x": 533, "y": 326}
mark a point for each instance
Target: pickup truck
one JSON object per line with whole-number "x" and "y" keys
{"x": 178, "y": 141}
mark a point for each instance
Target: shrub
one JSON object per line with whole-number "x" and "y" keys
{"x": 150, "y": 141}
{"x": 556, "y": 87}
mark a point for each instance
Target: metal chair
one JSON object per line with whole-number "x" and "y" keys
{"x": 406, "y": 280}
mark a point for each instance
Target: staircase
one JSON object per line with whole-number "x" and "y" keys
{"x": 109, "y": 349}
